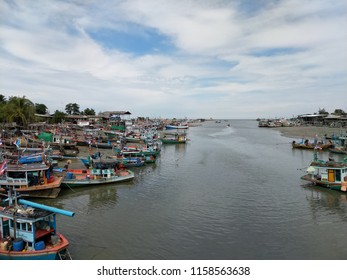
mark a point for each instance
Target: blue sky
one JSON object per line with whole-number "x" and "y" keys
{"x": 177, "y": 58}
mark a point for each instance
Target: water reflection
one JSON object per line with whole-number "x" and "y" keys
{"x": 180, "y": 147}
{"x": 87, "y": 198}
{"x": 325, "y": 202}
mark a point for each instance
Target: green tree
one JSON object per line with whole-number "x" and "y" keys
{"x": 339, "y": 112}
{"x": 72, "y": 109}
{"x": 2, "y": 112}
{"x": 2, "y": 108}
{"x": 20, "y": 110}
{"x": 322, "y": 111}
{"x": 88, "y": 112}
{"x": 41, "y": 108}
{"x": 58, "y": 116}
{"x": 2, "y": 99}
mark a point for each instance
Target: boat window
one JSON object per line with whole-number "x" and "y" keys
{"x": 11, "y": 223}
{"x": 18, "y": 225}
{"x": 29, "y": 226}
{"x": 16, "y": 175}
{"x": 338, "y": 175}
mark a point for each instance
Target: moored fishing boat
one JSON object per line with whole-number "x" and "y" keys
{"x": 338, "y": 150}
{"x": 312, "y": 146}
{"x": 28, "y": 231}
{"x": 177, "y": 126}
{"x": 174, "y": 138}
{"x": 93, "y": 177}
{"x": 330, "y": 174}
{"x": 128, "y": 162}
{"x": 31, "y": 180}
{"x": 140, "y": 151}
{"x": 37, "y": 157}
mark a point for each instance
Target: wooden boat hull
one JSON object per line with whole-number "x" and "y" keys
{"x": 46, "y": 190}
{"x": 49, "y": 253}
{"x": 338, "y": 151}
{"x": 139, "y": 153}
{"x": 131, "y": 164}
{"x": 311, "y": 147}
{"x": 84, "y": 180}
{"x": 176, "y": 126}
{"x": 326, "y": 184}
{"x": 169, "y": 141}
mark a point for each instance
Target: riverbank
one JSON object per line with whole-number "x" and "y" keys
{"x": 309, "y": 131}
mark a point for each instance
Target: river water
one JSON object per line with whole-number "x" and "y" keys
{"x": 229, "y": 193}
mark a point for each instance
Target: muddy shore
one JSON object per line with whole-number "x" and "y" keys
{"x": 309, "y": 132}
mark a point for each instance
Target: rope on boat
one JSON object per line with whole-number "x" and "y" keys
{"x": 69, "y": 187}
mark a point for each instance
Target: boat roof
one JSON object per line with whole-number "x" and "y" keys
{"x": 24, "y": 213}
{"x": 331, "y": 164}
{"x": 26, "y": 167}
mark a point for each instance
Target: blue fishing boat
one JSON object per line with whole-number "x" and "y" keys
{"x": 177, "y": 126}
{"x": 38, "y": 157}
{"x": 95, "y": 177}
{"x": 128, "y": 162}
{"x": 99, "y": 172}
{"x": 28, "y": 231}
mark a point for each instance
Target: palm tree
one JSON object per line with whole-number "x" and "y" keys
{"x": 20, "y": 110}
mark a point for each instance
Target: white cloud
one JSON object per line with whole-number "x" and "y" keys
{"x": 219, "y": 54}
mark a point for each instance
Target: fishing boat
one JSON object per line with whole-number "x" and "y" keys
{"x": 312, "y": 146}
{"x": 128, "y": 162}
{"x": 31, "y": 180}
{"x": 28, "y": 231}
{"x": 36, "y": 157}
{"x": 338, "y": 150}
{"x": 141, "y": 150}
{"x": 145, "y": 156}
{"x": 91, "y": 177}
{"x": 177, "y": 126}
{"x": 174, "y": 138}
{"x": 327, "y": 173}
{"x": 69, "y": 151}
{"x": 340, "y": 146}
{"x": 95, "y": 176}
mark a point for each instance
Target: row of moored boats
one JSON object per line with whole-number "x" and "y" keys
{"x": 31, "y": 166}
{"x": 329, "y": 173}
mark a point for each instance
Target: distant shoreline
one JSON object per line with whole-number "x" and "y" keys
{"x": 309, "y": 132}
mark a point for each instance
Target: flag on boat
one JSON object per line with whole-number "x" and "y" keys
{"x": 3, "y": 167}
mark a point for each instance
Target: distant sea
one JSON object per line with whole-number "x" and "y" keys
{"x": 229, "y": 193}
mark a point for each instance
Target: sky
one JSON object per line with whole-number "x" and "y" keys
{"x": 177, "y": 58}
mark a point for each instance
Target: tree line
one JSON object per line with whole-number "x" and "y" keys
{"x": 23, "y": 111}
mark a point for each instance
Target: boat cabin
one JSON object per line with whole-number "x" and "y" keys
{"x": 329, "y": 171}
{"x": 34, "y": 227}
{"x": 28, "y": 175}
